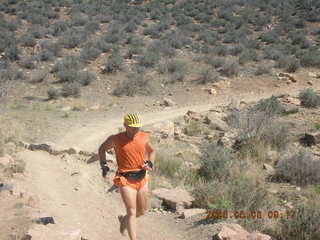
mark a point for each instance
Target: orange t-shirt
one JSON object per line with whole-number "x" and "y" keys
{"x": 130, "y": 153}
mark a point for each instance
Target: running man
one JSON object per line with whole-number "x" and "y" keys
{"x": 135, "y": 155}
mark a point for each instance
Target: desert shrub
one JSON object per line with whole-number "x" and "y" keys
{"x": 85, "y": 77}
{"x": 12, "y": 53}
{"x": 309, "y": 98}
{"x": 230, "y": 69}
{"x": 27, "y": 40}
{"x": 300, "y": 168}
{"x": 149, "y": 59}
{"x": 215, "y": 162}
{"x": 70, "y": 89}
{"x": 11, "y": 73}
{"x": 167, "y": 165}
{"x": 162, "y": 48}
{"x": 37, "y": 31}
{"x": 262, "y": 70}
{"x": 114, "y": 63}
{"x": 176, "y": 39}
{"x": 247, "y": 56}
{"x": 131, "y": 27}
{"x": 89, "y": 54}
{"x": 67, "y": 63}
{"x": 92, "y": 27}
{"x": 207, "y": 75}
{"x": 292, "y": 65}
{"x": 79, "y": 19}
{"x": 134, "y": 84}
{"x": 271, "y": 53}
{"x": 39, "y": 76}
{"x": 58, "y": 28}
{"x": 303, "y": 225}
{"x": 192, "y": 128}
{"x": 221, "y": 50}
{"x": 206, "y": 193}
{"x": 51, "y": 47}
{"x": 270, "y": 106}
{"x": 269, "y": 37}
{"x": 215, "y": 62}
{"x": 236, "y": 50}
{"x": 46, "y": 55}
{"x": 103, "y": 46}
{"x": 53, "y": 93}
{"x": 73, "y": 38}
{"x": 28, "y": 62}
{"x": 112, "y": 38}
{"x": 310, "y": 59}
{"x": 67, "y": 75}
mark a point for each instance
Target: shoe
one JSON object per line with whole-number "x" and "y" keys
{"x": 123, "y": 226}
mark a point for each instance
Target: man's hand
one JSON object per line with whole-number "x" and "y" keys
{"x": 105, "y": 170}
{"x": 148, "y": 165}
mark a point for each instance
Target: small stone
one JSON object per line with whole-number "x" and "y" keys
{"x": 310, "y": 83}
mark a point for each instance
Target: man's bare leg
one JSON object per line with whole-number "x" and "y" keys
{"x": 142, "y": 200}
{"x": 129, "y": 196}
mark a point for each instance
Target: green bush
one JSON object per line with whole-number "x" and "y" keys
{"x": 114, "y": 64}
{"x": 192, "y": 128}
{"x": 247, "y": 56}
{"x": 207, "y": 75}
{"x": 215, "y": 162}
{"x": 309, "y": 98}
{"x": 70, "y": 89}
{"x": 135, "y": 84}
{"x": 149, "y": 60}
{"x": 27, "y": 40}
{"x": 292, "y": 65}
{"x": 167, "y": 166}
{"x": 270, "y": 106}
{"x": 262, "y": 70}
{"x": 13, "y": 53}
{"x": 304, "y": 225}
{"x": 301, "y": 168}
{"x": 53, "y": 94}
{"x": 310, "y": 59}
{"x": 89, "y": 54}
{"x": 230, "y": 69}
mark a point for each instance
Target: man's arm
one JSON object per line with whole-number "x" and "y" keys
{"x": 105, "y": 146}
{"x": 151, "y": 152}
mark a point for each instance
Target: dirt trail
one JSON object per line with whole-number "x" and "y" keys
{"x": 74, "y": 192}
{"x": 89, "y": 137}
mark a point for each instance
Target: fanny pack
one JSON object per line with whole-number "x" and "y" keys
{"x": 134, "y": 175}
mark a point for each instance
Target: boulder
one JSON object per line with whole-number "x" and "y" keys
{"x": 214, "y": 121}
{"x": 187, "y": 213}
{"x": 40, "y": 147}
{"x": 155, "y": 202}
{"x": 287, "y": 76}
{"x": 174, "y": 197}
{"x": 269, "y": 169}
{"x": 168, "y": 102}
{"x": 165, "y": 129}
{"x": 192, "y": 116}
{"x": 310, "y": 139}
{"x": 236, "y": 232}
{"x": 52, "y": 232}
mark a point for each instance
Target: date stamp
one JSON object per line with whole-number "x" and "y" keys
{"x": 241, "y": 214}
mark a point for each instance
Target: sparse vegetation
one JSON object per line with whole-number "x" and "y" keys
{"x": 309, "y": 98}
{"x": 300, "y": 168}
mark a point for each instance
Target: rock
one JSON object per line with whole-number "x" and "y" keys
{"x": 95, "y": 107}
{"x": 51, "y": 232}
{"x": 288, "y": 76}
{"x": 294, "y": 101}
{"x": 236, "y": 232}
{"x": 213, "y": 91}
{"x": 271, "y": 155}
{"x": 42, "y": 147}
{"x": 310, "y": 83}
{"x": 93, "y": 158}
{"x": 290, "y": 109}
{"x": 311, "y": 74}
{"x": 155, "y": 202}
{"x": 66, "y": 109}
{"x": 310, "y": 139}
{"x": 215, "y": 122}
{"x": 172, "y": 197}
{"x": 272, "y": 190}
{"x": 44, "y": 220}
{"x": 6, "y": 160}
{"x": 192, "y": 116}
{"x": 269, "y": 169}
{"x": 168, "y": 102}
{"x": 192, "y": 212}
{"x": 165, "y": 129}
